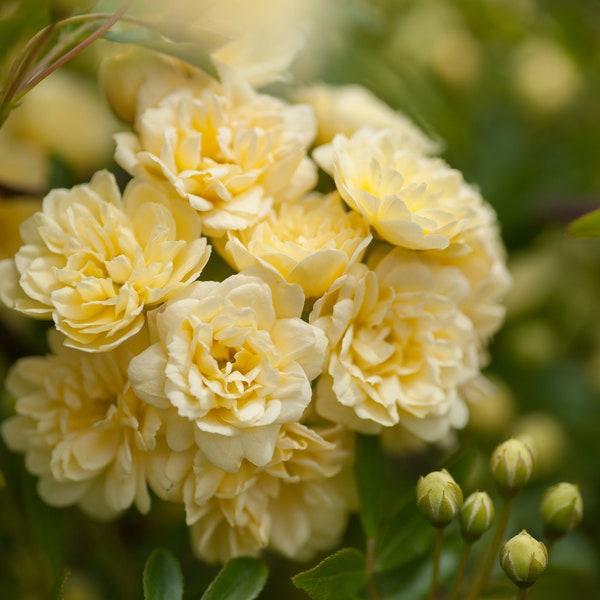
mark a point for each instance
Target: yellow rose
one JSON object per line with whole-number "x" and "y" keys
{"x": 310, "y": 242}
{"x": 399, "y": 347}
{"x": 409, "y": 199}
{"x": 348, "y": 108}
{"x": 297, "y": 504}
{"x": 82, "y": 430}
{"x": 93, "y": 262}
{"x": 480, "y": 256}
{"x": 235, "y": 359}
{"x": 229, "y": 151}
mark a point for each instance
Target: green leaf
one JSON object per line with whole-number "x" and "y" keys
{"x": 406, "y": 536}
{"x": 586, "y": 226}
{"x": 44, "y": 523}
{"x": 240, "y": 579}
{"x": 368, "y": 470}
{"x": 341, "y": 575}
{"x": 196, "y": 53}
{"x": 162, "y": 577}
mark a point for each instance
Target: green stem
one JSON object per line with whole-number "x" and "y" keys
{"x": 483, "y": 574}
{"x": 21, "y": 78}
{"x": 464, "y": 559}
{"x": 65, "y": 41}
{"x": 76, "y": 50}
{"x": 437, "y": 554}
{"x": 522, "y": 593}
{"x": 19, "y": 68}
{"x": 373, "y": 591}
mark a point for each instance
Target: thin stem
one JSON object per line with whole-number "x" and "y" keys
{"x": 64, "y": 41}
{"x": 76, "y": 50}
{"x": 464, "y": 559}
{"x": 18, "y": 71}
{"x": 31, "y": 48}
{"x": 522, "y": 593}
{"x": 437, "y": 553}
{"x": 373, "y": 591}
{"x": 19, "y": 81}
{"x": 483, "y": 574}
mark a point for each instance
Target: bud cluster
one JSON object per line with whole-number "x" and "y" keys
{"x": 523, "y": 558}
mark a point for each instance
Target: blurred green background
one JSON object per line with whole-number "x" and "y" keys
{"x": 511, "y": 88}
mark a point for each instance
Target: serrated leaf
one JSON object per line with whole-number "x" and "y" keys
{"x": 341, "y": 575}
{"x": 194, "y": 53}
{"x": 368, "y": 470}
{"x": 240, "y": 579}
{"x": 162, "y": 577}
{"x": 586, "y": 226}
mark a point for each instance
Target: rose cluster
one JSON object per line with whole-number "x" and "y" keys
{"x": 223, "y": 325}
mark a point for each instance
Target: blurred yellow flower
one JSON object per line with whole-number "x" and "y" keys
{"x": 228, "y": 150}
{"x": 259, "y": 39}
{"x": 64, "y": 116}
{"x": 399, "y": 347}
{"x": 235, "y": 359}
{"x": 545, "y": 76}
{"x": 82, "y": 430}
{"x": 310, "y": 242}
{"x": 134, "y": 79}
{"x": 297, "y": 504}
{"x": 346, "y": 109}
{"x": 409, "y": 199}
{"x": 93, "y": 262}
{"x": 13, "y": 211}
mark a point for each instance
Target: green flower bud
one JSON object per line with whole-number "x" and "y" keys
{"x": 439, "y": 497}
{"x": 476, "y": 515}
{"x": 512, "y": 465}
{"x": 561, "y": 508}
{"x": 523, "y": 559}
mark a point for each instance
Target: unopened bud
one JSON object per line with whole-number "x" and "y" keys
{"x": 476, "y": 515}
{"x": 523, "y": 559}
{"x": 561, "y": 508}
{"x": 134, "y": 79}
{"x": 512, "y": 465}
{"x": 439, "y": 497}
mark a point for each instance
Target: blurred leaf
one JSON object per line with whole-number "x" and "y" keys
{"x": 368, "y": 471}
{"x": 20, "y": 19}
{"x": 413, "y": 579}
{"x": 586, "y": 226}
{"x": 341, "y": 575}
{"x": 406, "y": 536}
{"x": 162, "y": 577}
{"x": 44, "y": 524}
{"x": 194, "y": 53}
{"x": 240, "y": 579}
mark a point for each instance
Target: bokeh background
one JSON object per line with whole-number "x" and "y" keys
{"x": 511, "y": 89}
